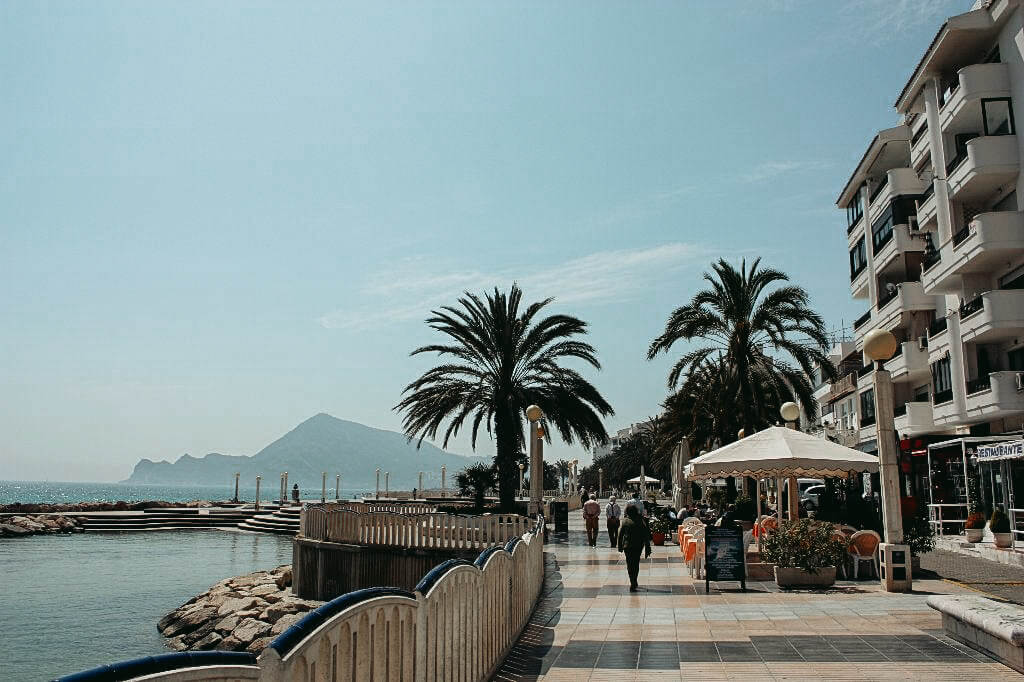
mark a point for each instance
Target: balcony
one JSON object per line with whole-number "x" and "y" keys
{"x": 914, "y": 418}
{"x": 927, "y": 207}
{"x": 899, "y": 242}
{"x": 862, "y": 320}
{"x": 995, "y": 315}
{"x": 991, "y": 162}
{"x": 909, "y": 297}
{"x": 859, "y": 284}
{"x": 919, "y": 146}
{"x": 996, "y": 396}
{"x": 898, "y": 182}
{"x": 909, "y": 364}
{"x": 974, "y": 83}
{"x": 844, "y": 386}
{"x": 990, "y": 239}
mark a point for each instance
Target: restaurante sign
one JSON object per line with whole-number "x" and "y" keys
{"x": 1001, "y": 450}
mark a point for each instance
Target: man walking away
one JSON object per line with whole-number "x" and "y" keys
{"x": 613, "y": 516}
{"x": 591, "y": 514}
{"x": 633, "y": 539}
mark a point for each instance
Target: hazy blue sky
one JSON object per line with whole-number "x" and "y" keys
{"x": 219, "y": 218}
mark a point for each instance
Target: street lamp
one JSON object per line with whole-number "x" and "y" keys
{"x": 600, "y": 482}
{"x": 894, "y": 556}
{"x": 444, "y": 472}
{"x": 790, "y": 413}
{"x": 534, "y": 415}
{"x": 387, "y": 484}
{"x": 522, "y": 468}
{"x": 378, "y": 483}
{"x": 236, "y": 486}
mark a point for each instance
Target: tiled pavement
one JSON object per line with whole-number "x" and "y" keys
{"x": 588, "y": 626}
{"x": 1002, "y": 581}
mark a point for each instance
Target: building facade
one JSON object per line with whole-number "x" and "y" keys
{"x": 935, "y": 233}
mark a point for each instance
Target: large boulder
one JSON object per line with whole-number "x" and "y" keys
{"x": 12, "y": 530}
{"x": 259, "y": 644}
{"x": 235, "y": 605}
{"x": 189, "y": 621}
{"x": 284, "y": 578}
{"x": 250, "y": 629}
{"x": 285, "y": 622}
{"x": 208, "y": 642}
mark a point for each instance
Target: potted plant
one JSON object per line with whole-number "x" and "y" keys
{"x": 919, "y": 534}
{"x": 999, "y": 524}
{"x": 805, "y": 553}
{"x": 658, "y": 530}
{"x": 974, "y": 527}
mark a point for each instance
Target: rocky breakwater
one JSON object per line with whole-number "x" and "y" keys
{"x": 244, "y": 613}
{"x": 17, "y": 526}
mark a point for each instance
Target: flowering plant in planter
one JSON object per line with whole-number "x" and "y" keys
{"x": 999, "y": 524}
{"x": 974, "y": 526}
{"x": 658, "y": 529}
{"x": 805, "y": 544}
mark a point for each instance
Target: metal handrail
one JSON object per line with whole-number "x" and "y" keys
{"x": 938, "y": 522}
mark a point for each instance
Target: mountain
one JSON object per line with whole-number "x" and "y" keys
{"x": 321, "y": 443}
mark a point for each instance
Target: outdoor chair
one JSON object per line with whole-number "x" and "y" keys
{"x": 848, "y": 531}
{"x": 864, "y": 547}
{"x": 696, "y": 562}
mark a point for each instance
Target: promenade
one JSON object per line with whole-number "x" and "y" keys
{"x": 588, "y": 626}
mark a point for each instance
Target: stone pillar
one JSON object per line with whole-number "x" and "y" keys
{"x": 337, "y": 488}
{"x": 257, "y": 493}
{"x": 794, "y": 499}
{"x": 536, "y": 468}
{"x": 893, "y": 554}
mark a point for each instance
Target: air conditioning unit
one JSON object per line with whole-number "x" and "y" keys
{"x": 1020, "y": 381}
{"x": 914, "y": 226}
{"x": 922, "y": 343}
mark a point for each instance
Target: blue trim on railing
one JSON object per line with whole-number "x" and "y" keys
{"x": 288, "y": 639}
{"x": 435, "y": 574}
{"x": 485, "y": 555}
{"x": 511, "y": 544}
{"x": 150, "y": 665}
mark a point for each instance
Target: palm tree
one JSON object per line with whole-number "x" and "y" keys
{"x": 499, "y": 360}
{"x": 562, "y": 466}
{"x": 749, "y": 329}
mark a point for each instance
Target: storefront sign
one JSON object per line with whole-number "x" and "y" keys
{"x": 1009, "y": 450}
{"x": 723, "y": 555}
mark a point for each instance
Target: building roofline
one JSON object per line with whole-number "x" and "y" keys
{"x": 900, "y": 133}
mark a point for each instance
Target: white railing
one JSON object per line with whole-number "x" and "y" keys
{"x": 420, "y": 531}
{"x": 1016, "y": 514}
{"x": 457, "y": 625}
{"x": 938, "y": 516}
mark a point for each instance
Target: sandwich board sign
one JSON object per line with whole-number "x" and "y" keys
{"x": 723, "y": 555}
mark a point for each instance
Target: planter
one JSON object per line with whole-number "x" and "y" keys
{"x": 1003, "y": 540}
{"x": 974, "y": 534}
{"x": 797, "y": 577}
{"x": 658, "y": 538}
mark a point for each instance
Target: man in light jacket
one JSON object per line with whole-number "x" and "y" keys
{"x": 613, "y": 516}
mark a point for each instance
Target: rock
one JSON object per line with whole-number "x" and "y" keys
{"x": 176, "y": 644}
{"x": 230, "y": 643}
{"x": 199, "y": 633}
{"x": 11, "y": 529}
{"x": 259, "y": 644}
{"x": 285, "y": 622}
{"x": 226, "y": 625}
{"x": 28, "y": 523}
{"x": 189, "y": 621}
{"x": 250, "y": 629}
{"x": 233, "y": 605}
{"x": 263, "y": 590}
{"x": 248, "y": 613}
{"x": 285, "y": 578}
{"x": 208, "y": 642}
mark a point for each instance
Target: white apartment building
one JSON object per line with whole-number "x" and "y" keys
{"x": 935, "y": 234}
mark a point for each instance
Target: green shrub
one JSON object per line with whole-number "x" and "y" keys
{"x": 998, "y": 522}
{"x": 656, "y": 525}
{"x": 806, "y": 544}
{"x": 975, "y": 521}
{"x": 918, "y": 532}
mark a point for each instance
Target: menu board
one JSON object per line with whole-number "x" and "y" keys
{"x": 723, "y": 555}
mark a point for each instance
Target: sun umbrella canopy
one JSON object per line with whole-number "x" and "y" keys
{"x": 642, "y": 479}
{"x": 779, "y": 451}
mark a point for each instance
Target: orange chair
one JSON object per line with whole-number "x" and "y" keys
{"x": 864, "y": 547}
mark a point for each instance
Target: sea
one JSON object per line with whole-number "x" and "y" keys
{"x": 63, "y": 493}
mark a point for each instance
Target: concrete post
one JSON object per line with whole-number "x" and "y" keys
{"x": 522, "y": 469}
{"x": 257, "y": 493}
{"x": 893, "y": 554}
{"x": 419, "y": 480}
{"x": 236, "y": 485}
{"x": 600, "y": 482}
{"x": 536, "y": 468}
{"x": 337, "y": 488}
{"x": 387, "y": 484}
{"x": 444, "y": 474}
{"x": 323, "y": 488}
{"x": 377, "y": 494}
{"x": 778, "y": 498}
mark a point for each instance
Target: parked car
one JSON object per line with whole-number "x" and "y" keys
{"x": 810, "y": 498}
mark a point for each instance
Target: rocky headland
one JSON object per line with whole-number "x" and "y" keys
{"x": 244, "y": 613}
{"x": 18, "y": 526}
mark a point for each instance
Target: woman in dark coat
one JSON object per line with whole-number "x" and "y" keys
{"x": 634, "y": 538}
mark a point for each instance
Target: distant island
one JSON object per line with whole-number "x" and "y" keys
{"x": 321, "y": 443}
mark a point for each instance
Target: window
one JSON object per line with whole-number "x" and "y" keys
{"x": 854, "y": 210}
{"x": 881, "y": 231}
{"x": 942, "y": 383}
{"x": 1016, "y": 359}
{"x": 858, "y": 258}
{"x": 997, "y": 114}
{"x": 867, "y": 407}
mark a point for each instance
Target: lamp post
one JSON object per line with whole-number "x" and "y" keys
{"x": 387, "y": 484}
{"x": 534, "y": 415}
{"x": 522, "y": 468}
{"x": 337, "y": 488}
{"x": 284, "y": 490}
{"x": 444, "y": 472}
{"x": 790, "y": 414}
{"x": 420, "y": 481}
{"x": 600, "y": 482}
{"x": 257, "y": 493}
{"x": 323, "y": 488}
{"x": 378, "y": 484}
{"x": 894, "y": 556}
{"x": 236, "y": 486}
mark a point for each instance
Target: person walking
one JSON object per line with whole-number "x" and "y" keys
{"x": 634, "y": 538}
{"x": 591, "y": 514}
{"x": 613, "y": 516}
{"x": 295, "y": 493}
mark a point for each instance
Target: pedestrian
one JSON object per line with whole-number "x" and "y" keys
{"x": 295, "y": 493}
{"x": 634, "y": 538}
{"x": 613, "y": 516}
{"x": 638, "y": 503}
{"x": 591, "y": 514}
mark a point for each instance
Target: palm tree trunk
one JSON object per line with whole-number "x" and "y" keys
{"x": 508, "y": 448}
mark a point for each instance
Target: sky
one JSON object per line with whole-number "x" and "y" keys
{"x": 219, "y": 219}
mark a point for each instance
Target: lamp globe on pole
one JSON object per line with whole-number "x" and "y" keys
{"x": 790, "y": 412}
{"x": 880, "y": 344}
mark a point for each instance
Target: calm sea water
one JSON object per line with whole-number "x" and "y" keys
{"x": 72, "y": 602}
{"x": 45, "y": 491}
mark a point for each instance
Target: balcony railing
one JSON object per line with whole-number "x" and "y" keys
{"x": 866, "y": 370}
{"x": 930, "y": 259}
{"x": 962, "y": 235}
{"x": 899, "y": 410}
{"x": 862, "y": 320}
{"x": 928, "y": 191}
{"x": 942, "y": 396}
{"x": 937, "y": 326}
{"x": 850, "y": 228}
{"x": 878, "y": 190}
{"x": 919, "y": 134}
{"x": 968, "y": 308}
{"x": 955, "y": 162}
{"x": 980, "y": 384}
{"x": 843, "y": 386}
{"x": 887, "y": 295}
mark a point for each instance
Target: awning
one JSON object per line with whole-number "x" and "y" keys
{"x": 644, "y": 479}
{"x": 779, "y": 451}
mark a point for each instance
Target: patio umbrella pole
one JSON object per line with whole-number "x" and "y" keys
{"x": 757, "y": 517}
{"x": 778, "y": 497}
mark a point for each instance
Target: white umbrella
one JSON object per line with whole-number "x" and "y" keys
{"x": 781, "y": 452}
{"x": 642, "y": 479}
